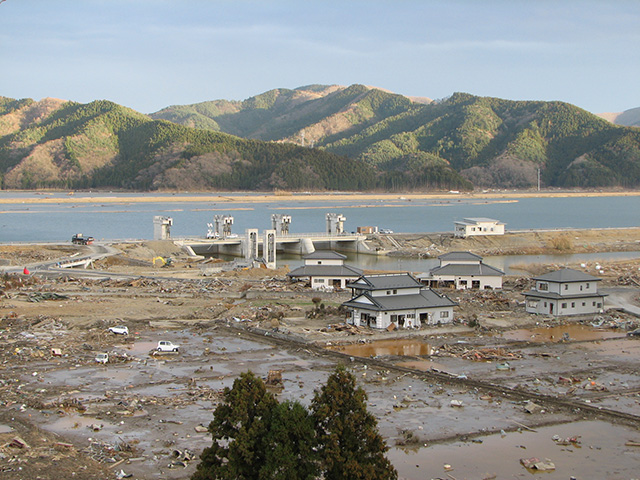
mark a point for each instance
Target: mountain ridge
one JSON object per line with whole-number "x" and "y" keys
{"x": 364, "y": 138}
{"x": 492, "y": 142}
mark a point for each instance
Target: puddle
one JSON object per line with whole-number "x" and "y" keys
{"x": 5, "y": 429}
{"x": 576, "y": 332}
{"x": 139, "y": 348}
{"x": 602, "y": 454}
{"x": 399, "y": 347}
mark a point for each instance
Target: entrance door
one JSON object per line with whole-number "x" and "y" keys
{"x": 551, "y": 308}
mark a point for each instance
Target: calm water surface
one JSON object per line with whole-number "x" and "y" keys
{"x": 125, "y": 219}
{"x": 30, "y": 221}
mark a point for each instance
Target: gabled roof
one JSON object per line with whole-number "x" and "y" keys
{"x": 478, "y": 270}
{"x": 567, "y": 275}
{"x": 426, "y": 298}
{"x": 385, "y": 281}
{"x": 325, "y": 255}
{"x": 460, "y": 256}
{"x": 325, "y": 271}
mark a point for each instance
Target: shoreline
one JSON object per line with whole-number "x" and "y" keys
{"x": 141, "y": 197}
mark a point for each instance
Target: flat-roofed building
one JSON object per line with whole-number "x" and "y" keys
{"x": 478, "y": 226}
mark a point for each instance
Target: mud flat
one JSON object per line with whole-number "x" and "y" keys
{"x": 311, "y": 196}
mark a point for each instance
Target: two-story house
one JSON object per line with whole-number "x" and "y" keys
{"x": 565, "y": 292}
{"x": 379, "y": 301}
{"x": 463, "y": 270}
{"x": 325, "y": 270}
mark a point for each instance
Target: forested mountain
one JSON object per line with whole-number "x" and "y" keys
{"x": 314, "y": 138}
{"x": 489, "y": 141}
{"x": 58, "y": 144}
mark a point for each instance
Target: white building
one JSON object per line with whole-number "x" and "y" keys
{"x": 565, "y": 292}
{"x": 478, "y": 226}
{"x": 379, "y": 301}
{"x": 463, "y": 270}
{"x": 325, "y": 270}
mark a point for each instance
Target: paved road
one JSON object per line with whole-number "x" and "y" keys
{"x": 623, "y": 298}
{"x": 52, "y": 267}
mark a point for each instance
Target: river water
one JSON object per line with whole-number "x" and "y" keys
{"x": 122, "y": 218}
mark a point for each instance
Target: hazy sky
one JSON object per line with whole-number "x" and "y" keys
{"x": 148, "y": 54}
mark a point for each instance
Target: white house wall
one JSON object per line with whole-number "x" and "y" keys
{"x": 436, "y": 315}
{"x": 492, "y": 282}
{"x": 569, "y": 288}
{"x": 576, "y": 306}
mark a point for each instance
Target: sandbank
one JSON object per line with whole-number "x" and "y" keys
{"x": 302, "y": 197}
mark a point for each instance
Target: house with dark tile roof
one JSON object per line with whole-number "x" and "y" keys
{"x": 463, "y": 270}
{"x": 326, "y": 271}
{"x": 380, "y": 301}
{"x": 565, "y": 292}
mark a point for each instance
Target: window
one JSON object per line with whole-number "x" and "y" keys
{"x": 573, "y": 304}
{"x": 545, "y": 304}
{"x": 388, "y": 292}
{"x": 319, "y": 262}
{"x": 318, "y": 280}
{"x": 395, "y": 292}
{"x": 593, "y": 304}
{"x": 564, "y": 305}
{"x": 599, "y": 305}
{"x": 543, "y": 286}
{"x": 580, "y": 287}
{"x": 444, "y": 314}
{"x": 587, "y": 286}
{"x": 566, "y": 286}
{"x": 583, "y": 304}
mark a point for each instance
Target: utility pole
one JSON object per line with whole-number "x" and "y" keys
{"x": 538, "y": 178}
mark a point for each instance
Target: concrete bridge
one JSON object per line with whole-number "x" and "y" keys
{"x": 298, "y": 243}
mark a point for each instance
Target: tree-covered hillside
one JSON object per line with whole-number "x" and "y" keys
{"x": 57, "y": 144}
{"x": 489, "y": 141}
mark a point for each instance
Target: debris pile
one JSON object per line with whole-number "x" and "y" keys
{"x": 476, "y": 354}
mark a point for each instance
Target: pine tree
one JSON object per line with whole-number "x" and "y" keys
{"x": 350, "y": 446}
{"x": 257, "y": 438}
{"x": 291, "y": 447}
{"x": 239, "y": 427}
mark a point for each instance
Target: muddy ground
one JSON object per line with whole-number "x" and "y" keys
{"x": 467, "y": 400}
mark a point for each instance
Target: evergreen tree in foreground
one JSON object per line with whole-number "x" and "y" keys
{"x": 256, "y": 438}
{"x": 350, "y": 446}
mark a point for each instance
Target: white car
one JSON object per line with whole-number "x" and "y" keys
{"x": 167, "y": 346}
{"x": 119, "y": 330}
{"x": 102, "y": 358}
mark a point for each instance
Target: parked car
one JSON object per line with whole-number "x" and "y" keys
{"x": 167, "y": 346}
{"x": 385, "y": 231}
{"x": 121, "y": 330}
{"x": 102, "y": 358}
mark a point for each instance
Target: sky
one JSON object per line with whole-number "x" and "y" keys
{"x": 149, "y": 54}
